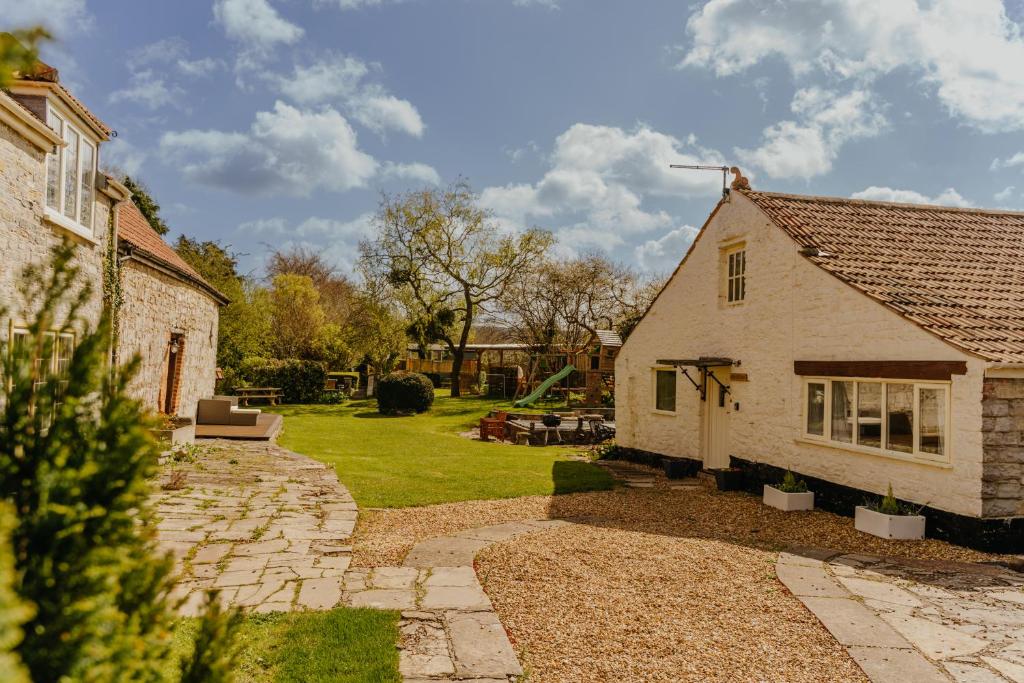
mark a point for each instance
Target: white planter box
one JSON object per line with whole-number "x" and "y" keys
{"x": 788, "y": 502}
{"x": 900, "y": 527}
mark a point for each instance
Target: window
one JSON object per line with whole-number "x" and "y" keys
{"x": 71, "y": 175}
{"x": 665, "y": 390}
{"x": 891, "y": 417}
{"x": 736, "y": 281}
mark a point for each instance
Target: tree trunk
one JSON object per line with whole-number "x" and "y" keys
{"x": 458, "y": 352}
{"x": 457, "y": 355}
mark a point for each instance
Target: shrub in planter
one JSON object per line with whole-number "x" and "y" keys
{"x": 791, "y": 494}
{"x": 402, "y": 393}
{"x": 890, "y": 518}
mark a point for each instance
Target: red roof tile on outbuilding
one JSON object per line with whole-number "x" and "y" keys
{"x": 134, "y": 230}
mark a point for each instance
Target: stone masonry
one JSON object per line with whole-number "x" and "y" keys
{"x": 1002, "y": 486}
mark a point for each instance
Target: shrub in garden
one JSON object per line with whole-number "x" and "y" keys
{"x": 75, "y": 460}
{"x": 301, "y": 381}
{"x": 402, "y": 393}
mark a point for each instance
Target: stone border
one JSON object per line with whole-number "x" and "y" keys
{"x": 449, "y": 629}
{"x": 882, "y": 653}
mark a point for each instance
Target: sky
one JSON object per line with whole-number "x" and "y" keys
{"x": 265, "y": 124}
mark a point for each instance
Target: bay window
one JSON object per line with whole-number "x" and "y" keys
{"x": 71, "y": 177}
{"x": 890, "y": 417}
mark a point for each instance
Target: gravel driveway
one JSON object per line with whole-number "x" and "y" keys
{"x": 658, "y": 584}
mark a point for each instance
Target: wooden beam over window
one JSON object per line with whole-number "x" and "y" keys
{"x": 890, "y": 369}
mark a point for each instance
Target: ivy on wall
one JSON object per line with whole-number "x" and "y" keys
{"x": 113, "y": 292}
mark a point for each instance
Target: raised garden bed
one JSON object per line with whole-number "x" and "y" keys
{"x": 175, "y": 430}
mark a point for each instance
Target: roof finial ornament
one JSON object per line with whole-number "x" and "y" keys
{"x": 739, "y": 182}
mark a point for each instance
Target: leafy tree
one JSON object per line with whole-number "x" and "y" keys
{"x": 13, "y": 611}
{"x": 19, "y": 52}
{"x": 445, "y": 256}
{"x": 75, "y": 457}
{"x": 337, "y": 292}
{"x": 244, "y": 326}
{"x": 146, "y": 204}
{"x": 296, "y": 316}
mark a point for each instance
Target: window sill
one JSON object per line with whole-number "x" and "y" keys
{"x": 668, "y": 413}
{"x": 68, "y": 225}
{"x": 878, "y": 453}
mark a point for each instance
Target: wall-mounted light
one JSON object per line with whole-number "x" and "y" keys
{"x": 174, "y": 346}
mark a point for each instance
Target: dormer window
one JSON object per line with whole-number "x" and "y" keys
{"x": 71, "y": 178}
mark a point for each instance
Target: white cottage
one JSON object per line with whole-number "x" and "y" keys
{"x": 860, "y": 344}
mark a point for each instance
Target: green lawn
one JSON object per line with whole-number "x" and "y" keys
{"x": 421, "y": 459}
{"x": 343, "y": 645}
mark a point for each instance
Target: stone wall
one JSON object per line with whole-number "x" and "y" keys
{"x": 27, "y": 238}
{"x": 156, "y": 306}
{"x": 1002, "y": 486}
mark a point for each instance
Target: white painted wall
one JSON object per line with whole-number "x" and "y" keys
{"x": 793, "y": 311}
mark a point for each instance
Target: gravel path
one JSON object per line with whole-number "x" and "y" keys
{"x": 656, "y": 584}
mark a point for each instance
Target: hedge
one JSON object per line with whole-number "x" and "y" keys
{"x": 401, "y": 393}
{"x": 301, "y": 381}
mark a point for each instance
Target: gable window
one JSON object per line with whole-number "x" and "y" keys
{"x": 736, "y": 279}
{"x": 891, "y": 417}
{"x": 665, "y": 391}
{"x": 71, "y": 177}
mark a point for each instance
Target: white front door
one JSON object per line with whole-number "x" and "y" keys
{"x": 716, "y": 421}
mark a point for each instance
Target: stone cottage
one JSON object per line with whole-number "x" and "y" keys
{"x": 169, "y": 318}
{"x": 860, "y": 344}
{"x": 52, "y": 191}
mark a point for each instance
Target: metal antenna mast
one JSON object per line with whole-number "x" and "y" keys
{"x": 699, "y": 167}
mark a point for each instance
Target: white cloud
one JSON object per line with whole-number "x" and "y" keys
{"x": 1009, "y": 162}
{"x": 665, "y": 253}
{"x": 807, "y": 147}
{"x": 337, "y": 241}
{"x": 123, "y": 155}
{"x": 61, "y": 17}
{"x": 340, "y": 79}
{"x": 286, "y": 151}
{"x": 255, "y": 21}
{"x": 150, "y": 90}
{"x": 358, "y": 4}
{"x": 416, "y": 172}
{"x": 966, "y": 52}
{"x": 1004, "y": 194}
{"x": 948, "y": 197}
{"x": 600, "y": 179}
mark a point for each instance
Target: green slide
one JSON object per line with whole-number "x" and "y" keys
{"x": 545, "y": 385}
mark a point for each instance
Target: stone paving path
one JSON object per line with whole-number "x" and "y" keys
{"x": 266, "y": 527}
{"x": 449, "y": 630}
{"x": 915, "y": 621}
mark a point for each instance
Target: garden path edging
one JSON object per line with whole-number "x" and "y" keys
{"x": 449, "y": 629}
{"x": 914, "y": 620}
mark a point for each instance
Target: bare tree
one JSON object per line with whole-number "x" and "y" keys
{"x": 448, "y": 261}
{"x": 337, "y": 292}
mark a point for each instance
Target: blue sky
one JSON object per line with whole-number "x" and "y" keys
{"x": 266, "y": 123}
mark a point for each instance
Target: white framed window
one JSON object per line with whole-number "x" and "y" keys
{"x": 665, "y": 390}
{"x": 901, "y": 418}
{"x": 736, "y": 275}
{"x": 71, "y": 177}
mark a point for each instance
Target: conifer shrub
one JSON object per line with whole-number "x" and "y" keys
{"x": 404, "y": 393}
{"x": 76, "y": 463}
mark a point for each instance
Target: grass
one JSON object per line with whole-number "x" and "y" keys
{"x": 343, "y": 645}
{"x": 422, "y": 460}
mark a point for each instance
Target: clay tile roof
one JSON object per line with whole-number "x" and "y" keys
{"x": 958, "y": 273}
{"x": 135, "y": 230}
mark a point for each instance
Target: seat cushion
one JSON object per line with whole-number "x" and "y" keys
{"x": 244, "y": 418}
{"x": 213, "y": 411}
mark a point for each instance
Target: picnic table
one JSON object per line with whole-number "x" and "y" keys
{"x": 245, "y": 394}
